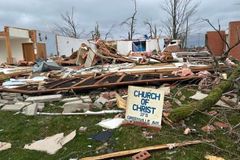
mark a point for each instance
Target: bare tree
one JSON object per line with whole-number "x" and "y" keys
{"x": 131, "y": 22}
{"x": 178, "y": 14}
{"x": 153, "y": 31}
{"x": 228, "y": 46}
{"x": 69, "y": 27}
{"x": 109, "y": 32}
{"x": 95, "y": 34}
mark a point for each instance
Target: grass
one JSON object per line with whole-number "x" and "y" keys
{"x": 20, "y": 130}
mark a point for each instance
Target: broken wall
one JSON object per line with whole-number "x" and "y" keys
{"x": 18, "y": 33}
{"x": 234, "y": 33}
{"x": 215, "y": 43}
{"x": 152, "y": 44}
{"x": 17, "y": 49}
{"x": 124, "y": 47}
{"x": 67, "y": 45}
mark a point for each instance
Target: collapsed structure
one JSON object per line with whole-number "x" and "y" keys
{"x": 49, "y": 68}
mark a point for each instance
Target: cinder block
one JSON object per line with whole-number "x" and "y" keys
{"x": 71, "y": 107}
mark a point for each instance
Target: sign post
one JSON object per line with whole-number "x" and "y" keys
{"x": 145, "y": 105}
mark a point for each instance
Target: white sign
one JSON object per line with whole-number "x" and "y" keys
{"x": 145, "y": 105}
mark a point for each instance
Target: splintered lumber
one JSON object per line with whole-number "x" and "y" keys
{"x": 206, "y": 103}
{"x": 150, "y": 148}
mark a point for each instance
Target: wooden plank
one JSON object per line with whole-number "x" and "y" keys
{"x": 102, "y": 79}
{"x": 8, "y": 46}
{"x": 82, "y": 81}
{"x": 121, "y": 78}
{"x": 150, "y": 148}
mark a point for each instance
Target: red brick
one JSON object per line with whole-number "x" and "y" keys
{"x": 143, "y": 155}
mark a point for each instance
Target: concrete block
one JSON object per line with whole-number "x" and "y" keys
{"x": 4, "y": 101}
{"x": 70, "y": 99}
{"x": 46, "y": 98}
{"x": 87, "y": 100}
{"x": 9, "y": 98}
{"x": 71, "y": 107}
{"x": 30, "y": 110}
{"x": 15, "y": 107}
{"x": 85, "y": 97}
{"x": 10, "y": 94}
{"x": 40, "y": 106}
{"x": 100, "y": 102}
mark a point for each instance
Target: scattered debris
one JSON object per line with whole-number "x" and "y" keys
{"x": 221, "y": 125}
{"x": 18, "y": 106}
{"x": 150, "y": 148}
{"x": 5, "y": 146}
{"x": 74, "y": 106}
{"x": 189, "y": 131}
{"x": 30, "y": 110}
{"x": 51, "y": 144}
{"x": 103, "y": 136}
{"x": 200, "y": 96}
{"x": 111, "y": 123}
{"x": 209, "y": 157}
{"x": 143, "y": 155}
{"x": 46, "y": 98}
{"x": 208, "y": 128}
{"x": 100, "y": 102}
{"x": 82, "y": 129}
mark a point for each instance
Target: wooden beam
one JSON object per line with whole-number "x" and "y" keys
{"x": 150, "y": 148}
{"x": 8, "y": 46}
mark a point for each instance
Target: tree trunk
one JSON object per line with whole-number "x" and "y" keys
{"x": 206, "y": 103}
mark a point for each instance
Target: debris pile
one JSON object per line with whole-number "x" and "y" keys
{"x": 144, "y": 89}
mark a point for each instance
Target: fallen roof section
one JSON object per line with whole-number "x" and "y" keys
{"x": 94, "y": 82}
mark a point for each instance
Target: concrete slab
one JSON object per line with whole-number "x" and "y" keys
{"x": 4, "y": 101}
{"x": 30, "y": 110}
{"x": 46, "y": 98}
{"x": 15, "y": 107}
{"x": 85, "y": 97}
{"x": 70, "y": 99}
{"x": 74, "y": 106}
{"x": 87, "y": 100}
{"x": 100, "y": 102}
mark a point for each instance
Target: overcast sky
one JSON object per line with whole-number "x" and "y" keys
{"x": 43, "y": 14}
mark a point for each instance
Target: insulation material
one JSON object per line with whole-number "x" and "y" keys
{"x": 5, "y": 146}
{"x": 51, "y": 144}
{"x": 111, "y": 123}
